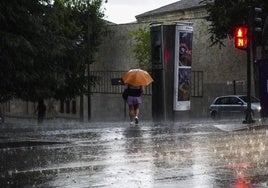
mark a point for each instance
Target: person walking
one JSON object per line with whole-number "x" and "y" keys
{"x": 134, "y": 101}
{"x": 135, "y": 80}
{"x": 41, "y": 111}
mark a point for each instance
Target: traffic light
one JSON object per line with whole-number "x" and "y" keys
{"x": 257, "y": 20}
{"x": 241, "y": 37}
{"x": 255, "y": 24}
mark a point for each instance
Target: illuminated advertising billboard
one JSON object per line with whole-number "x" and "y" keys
{"x": 183, "y": 64}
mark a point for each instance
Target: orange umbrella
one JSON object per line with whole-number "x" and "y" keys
{"x": 137, "y": 77}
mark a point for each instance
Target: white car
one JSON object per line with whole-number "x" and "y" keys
{"x": 233, "y": 106}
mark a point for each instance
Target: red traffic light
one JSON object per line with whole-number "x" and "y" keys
{"x": 241, "y": 38}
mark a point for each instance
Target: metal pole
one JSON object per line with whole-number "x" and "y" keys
{"x": 248, "y": 114}
{"x": 234, "y": 87}
{"x": 88, "y": 65}
{"x": 163, "y": 77}
{"x": 89, "y": 93}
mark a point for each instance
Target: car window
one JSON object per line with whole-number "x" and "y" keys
{"x": 234, "y": 100}
{"x": 223, "y": 100}
{"x": 218, "y": 101}
{"x": 253, "y": 99}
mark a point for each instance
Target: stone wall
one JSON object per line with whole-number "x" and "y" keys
{"x": 115, "y": 52}
{"x": 220, "y": 66}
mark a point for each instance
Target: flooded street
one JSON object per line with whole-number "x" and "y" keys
{"x": 198, "y": 154}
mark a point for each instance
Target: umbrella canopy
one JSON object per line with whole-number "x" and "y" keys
{"x": 137, "y": 77}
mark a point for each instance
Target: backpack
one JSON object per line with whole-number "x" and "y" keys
{"x": 125, "y": 94}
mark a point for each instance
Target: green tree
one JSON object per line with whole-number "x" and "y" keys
{"x": 45, "y": 46}
{"x": 142, "y": 47}
{"x": 225, "y": 15}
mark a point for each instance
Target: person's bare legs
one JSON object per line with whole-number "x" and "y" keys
{"x": 136, "y": 113}
{"x": 136, "y": 110}
{"x": 131, "y": 112}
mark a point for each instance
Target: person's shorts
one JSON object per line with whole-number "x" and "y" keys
{"x": 133, "y": 100}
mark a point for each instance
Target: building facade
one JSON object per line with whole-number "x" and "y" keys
{"x": 223, "y": 69}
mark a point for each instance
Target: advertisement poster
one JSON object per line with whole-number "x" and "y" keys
{"x": 183, "y": 63}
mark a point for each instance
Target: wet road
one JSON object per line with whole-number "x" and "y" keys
{"x": 197, "y": 154}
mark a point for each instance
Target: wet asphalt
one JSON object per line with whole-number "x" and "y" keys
{"x": 189, "y": 154}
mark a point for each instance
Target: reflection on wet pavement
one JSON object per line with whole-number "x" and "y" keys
{"x": 189, "y": 154}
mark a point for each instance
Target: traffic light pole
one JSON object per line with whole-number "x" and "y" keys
{"x": 248, "y": 114}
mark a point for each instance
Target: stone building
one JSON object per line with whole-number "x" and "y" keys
{"x": 220, "y": 67}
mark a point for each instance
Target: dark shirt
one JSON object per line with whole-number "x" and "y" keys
{"x": 134, "y": 92}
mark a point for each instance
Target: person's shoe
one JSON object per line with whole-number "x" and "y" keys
{"x": 136, "y": 120}
{"x": 131, "y": 123}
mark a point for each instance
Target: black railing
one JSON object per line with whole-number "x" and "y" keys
{"x": 110, "y": 82}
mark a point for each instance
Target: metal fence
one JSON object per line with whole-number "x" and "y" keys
{"x": 110, "y": 82}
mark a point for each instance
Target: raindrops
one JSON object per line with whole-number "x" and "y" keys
{"x": 10, "y": 173}
{"x": 144, "y": 157}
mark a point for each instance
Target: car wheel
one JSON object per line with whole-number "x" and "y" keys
{"x": 251, "y": 113}
{"x": 214, "y": 115}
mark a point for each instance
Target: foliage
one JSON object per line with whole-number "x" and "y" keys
{"x": 142, "y": 47}
{"x": 44, "y": 47}
{"x": 225, "y": 15}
